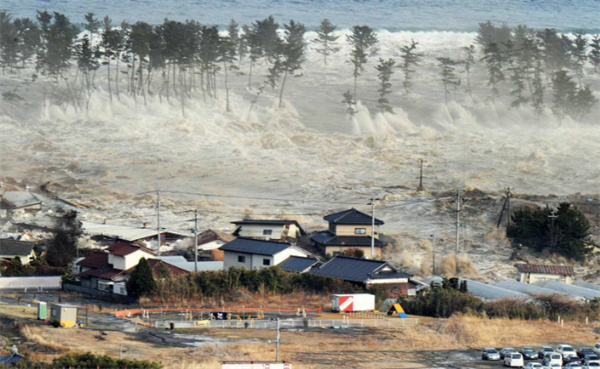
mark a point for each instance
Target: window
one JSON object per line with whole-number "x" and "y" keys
{"x": 241, "y": 259}
{"x": 267, "y": 232}
{"x": 360, "y": 231}
{"x": 266, "y": 262}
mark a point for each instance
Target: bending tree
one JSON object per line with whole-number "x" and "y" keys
{"x": 385, "y": 69}
{"x": 449, "y": 79}
{"x": 410, "y": 59}
{"x": 364, "y": 44}
{"x": 293, "y": 52}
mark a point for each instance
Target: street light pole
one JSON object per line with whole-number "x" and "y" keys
{"x": 196, "y": 241}
{"x": 277, "y": 342}
{"x": 372, "y": 203}
{"x": 433, "y": 254}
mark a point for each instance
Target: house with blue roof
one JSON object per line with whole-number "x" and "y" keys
{"x": 369, "y": 273}
{"x": 297, "y": 264}
{"x": 350, "y": 229}
{"x": 251, "y": 253}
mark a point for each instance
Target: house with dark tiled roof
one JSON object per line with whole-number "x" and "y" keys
{"x": 350, "y": 229}
{"x": 109, "y": 271}
{"x": 532, "y": 273}
{"x": 11, "y": 249}
{"x": 297, "y": 264}
{"x": 369, "y": 273}
{"x": 250, "y": 253}
{"x": 263, "y": 229}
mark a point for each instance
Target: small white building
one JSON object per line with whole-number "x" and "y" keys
{"x": 256, "y": 254}
{"x": 11, "y": 249}
{"x": 262, "y": 229}
{"x": 532, "y": 273}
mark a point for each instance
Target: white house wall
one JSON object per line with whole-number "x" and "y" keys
{"x": 130, "y": 260}
{"x": 532, "y": 278}
{"x": 257, "y": 231}
{"x": 290, "y": 251}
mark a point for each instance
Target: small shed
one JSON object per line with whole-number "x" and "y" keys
{"x": 532, "y": 273}
{"x": 65, "y": 314}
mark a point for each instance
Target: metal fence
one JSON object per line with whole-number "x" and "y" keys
{"x": 287, "y": 323}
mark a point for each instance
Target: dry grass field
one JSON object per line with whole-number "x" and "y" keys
{"x": 316, "y": 348}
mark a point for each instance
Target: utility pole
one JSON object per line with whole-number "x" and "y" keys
{"x": 372, "y": 203}
{"x": 457, "y": 231}
{"x": 552, "y": 216}
{"x": 420, "y": 188}
{"x": 508, "y": 195}
{"x": 196, "y": 241}
{"x": 158, "y": 220}
{"x": 277, "y": 342}
{"x": 433, "y": 254}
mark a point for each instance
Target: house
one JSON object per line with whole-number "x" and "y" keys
{"x": 299, "y": 264}
{"x": 19, "y": 201}
{"x": 261, "y": 229}
{"x": 350, "y": 229}
{"x": 11, "y": 249}
{"x": 109, "y": 271}
{"x": 532, "y": 273}
{"x": 255, "y": 254}
{"x": 369, "y": 273}
{"x": 13, "y": 358}
{"x": 208, "y": 245}
{"x": 111, "y": 233}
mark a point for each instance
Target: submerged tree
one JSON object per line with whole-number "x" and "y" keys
{"x": 494, "y": 60}
{"x": 293, "y": 51}
{"x": 594, "y": 54}
{"x": 364, "y": 44}
{"x": 410, "y": 59}
{"x": 449, "y": 79}
{"x": 468, "y": 62}
{"x": 62, "y": 249}
{"x": 565, "y": 231}
{"x": 9, "y": 41}
{"x": 385, "y": 71}
{"x": 326, "y": 39}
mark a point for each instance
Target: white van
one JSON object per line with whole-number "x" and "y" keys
{"x": 553, "y": 358}
{"x": 566, "y": 350}
{"x": 514, "y": 360}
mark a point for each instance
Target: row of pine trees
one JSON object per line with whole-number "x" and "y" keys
{"x": 175, "y": 59}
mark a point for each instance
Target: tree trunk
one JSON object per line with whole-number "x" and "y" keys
{"x": 282, "y": 86}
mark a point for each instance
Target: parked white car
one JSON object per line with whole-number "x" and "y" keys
{"x": 566, "y": 350}
{"x": 514, "y": 360}
{"x": 553, "y": 366}
{"x": 533, "y": 365}
{"x": 553, "y": 358}
{"x": 591, "y": 365}
{"x": 597, "y": 348}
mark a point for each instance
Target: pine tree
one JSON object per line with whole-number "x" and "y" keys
{"x": 385, "y": 69}
{"x": 255, "y": 50}
{"x": 537, "y": 90}
{"x": 410, "y": 59}
{"x": 494, "y": 60}
{"x": 449, "y": 79}
{"x": 268, "y": 39}
{"x": 63, "y": 247}
{"x": 488, "y": 34}
{"x": 293, "y": 52}
{"x": 563, "y": 92}
{"x": 92, "y": 24}
{"x": 583, "y": 102}
{"x": 111, "y": 43}
{"x": 29, "y": 39}
{"x": 579, "y": 56}
{"x": 227, "y": 55}
{"x": 364, "y": 44}
{"x": 594, "y": 54}
{"x": 9, "y": 42}
{"x": 468, "y": 62}
{"x": 58, "y": 37}
{"x": 326, "y": 39}
{"x": 141, "y": 281}
{"x": 350, "y": 103}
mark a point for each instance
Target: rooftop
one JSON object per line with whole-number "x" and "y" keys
{"x": 14, "y": 247}
{"x": 545, "y": 269}
{"x": 253, "y": 246}
{"x": 351, "y": 216}
{"x": 297, "y": 264}
{"x": 19, "y": 199}
{"x": 358, "y": 270}
{"x": 123, "y": 249}
{"x": 327, "y": 238}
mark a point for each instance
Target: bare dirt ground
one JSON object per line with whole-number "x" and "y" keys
{"x": 440, "y": 343}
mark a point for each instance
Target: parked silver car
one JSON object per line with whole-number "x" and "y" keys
{"x": 490, "y": 353}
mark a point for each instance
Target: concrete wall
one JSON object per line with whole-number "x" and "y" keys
{"x": 37, "y": 282}
{"x": 334, "y": 250}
